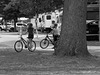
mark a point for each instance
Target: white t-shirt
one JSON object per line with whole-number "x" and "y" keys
{"x": 56, "y": 31}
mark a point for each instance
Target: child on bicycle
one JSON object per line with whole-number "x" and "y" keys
{"x": 30, "y": 31}
{"x": 56, "y": 33}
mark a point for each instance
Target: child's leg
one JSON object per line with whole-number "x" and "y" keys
{"x": 27, "y": 42}
{"x": 55, "y": 41}
{"x": 30, "y": 43}
{"x": 54, "y": 38}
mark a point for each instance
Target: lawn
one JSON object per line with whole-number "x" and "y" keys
{"x": 45, "y": 63}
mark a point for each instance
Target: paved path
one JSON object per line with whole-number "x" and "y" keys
{"x": 7, "y": 40}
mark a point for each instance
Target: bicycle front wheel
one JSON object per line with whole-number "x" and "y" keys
{"x": 18, "y": 46}
{"x": 44, "y": 43}
{"x": 32, "y": 46}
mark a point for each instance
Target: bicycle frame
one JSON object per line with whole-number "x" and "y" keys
{"x": 24, "y": 41}
{"x": 47, "y": 37}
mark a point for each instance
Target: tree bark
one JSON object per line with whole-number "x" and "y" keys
{"x": 73, "y": 30}
{"x": 6, "y": 25}
{"x": 15, "y": 20}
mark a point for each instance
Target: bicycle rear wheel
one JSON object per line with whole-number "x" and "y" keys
{"x": 44, "y": 43}
{"x": 18, "y": 46}
{"x": 32, "y": 46}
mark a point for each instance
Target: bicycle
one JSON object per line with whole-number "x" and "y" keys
{"x": 46, "y": 41}
{"x": 18, "y": 46}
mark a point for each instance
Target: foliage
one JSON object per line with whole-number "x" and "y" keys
{"x": 39, "y": 6}
{"x": 31, "y": 7}
{"x": 3, "y": 3}
{"x": 12, "y": 11}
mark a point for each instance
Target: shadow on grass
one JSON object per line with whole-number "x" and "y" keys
{"x": 46, "y": 61}
{"x": 93, "y": 43}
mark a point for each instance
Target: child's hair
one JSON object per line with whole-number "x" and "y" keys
{"x": 55, "y": 25}
{"x": 30, "y": 24}
{"x": 53, "y": 22}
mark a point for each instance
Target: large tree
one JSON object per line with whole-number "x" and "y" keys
{"x": 73, "y": 30}
{"x": 33, "y": 7}
{"x": 12, "y": 11}
{"x": 3, "y": 3}
{"x": 30, "y": 8}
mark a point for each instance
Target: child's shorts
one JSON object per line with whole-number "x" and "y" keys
{"x": 30, "y": 36}
{"x": 56, "y": 37}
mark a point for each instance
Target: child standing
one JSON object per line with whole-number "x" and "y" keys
{"x": 56, "y": 33}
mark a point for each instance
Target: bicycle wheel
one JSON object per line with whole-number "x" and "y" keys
{"x": 44, "y": 43}
{"x": 18, "y": 46}
{"x": 32, "y": 46}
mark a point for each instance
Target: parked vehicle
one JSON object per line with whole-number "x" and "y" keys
{"x": 92, "y": 30}
{"x": 23, "y": 25}
{"x": 1, "y": 27}
{"x": 4, "y": 27}
{"x": 18, "y": 25}
{"x": 9, "y": 26}
{"x": 93, "y": 27}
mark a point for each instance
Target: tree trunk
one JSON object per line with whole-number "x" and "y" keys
{"x": 15, "y": 20}
{"x": 6, "y": 25}
{"x": 36, "y": 25}
{"x": 73, "y": 30}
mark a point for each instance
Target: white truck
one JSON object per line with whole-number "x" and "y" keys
{"x": 3, "y": 27}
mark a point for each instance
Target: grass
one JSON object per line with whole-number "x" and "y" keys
{"x": 44, "y": 63}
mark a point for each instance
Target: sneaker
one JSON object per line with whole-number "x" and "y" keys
{"x": 25, "y": 46}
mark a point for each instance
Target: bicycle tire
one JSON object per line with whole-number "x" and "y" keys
{"x": 33, "y": 47}
{"x": 44, "y": 43}
{"x": 16, "y": 46}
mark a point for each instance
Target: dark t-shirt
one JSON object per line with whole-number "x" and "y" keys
{"x": 30, "y": 33}
{"x": 30, "y": 30}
